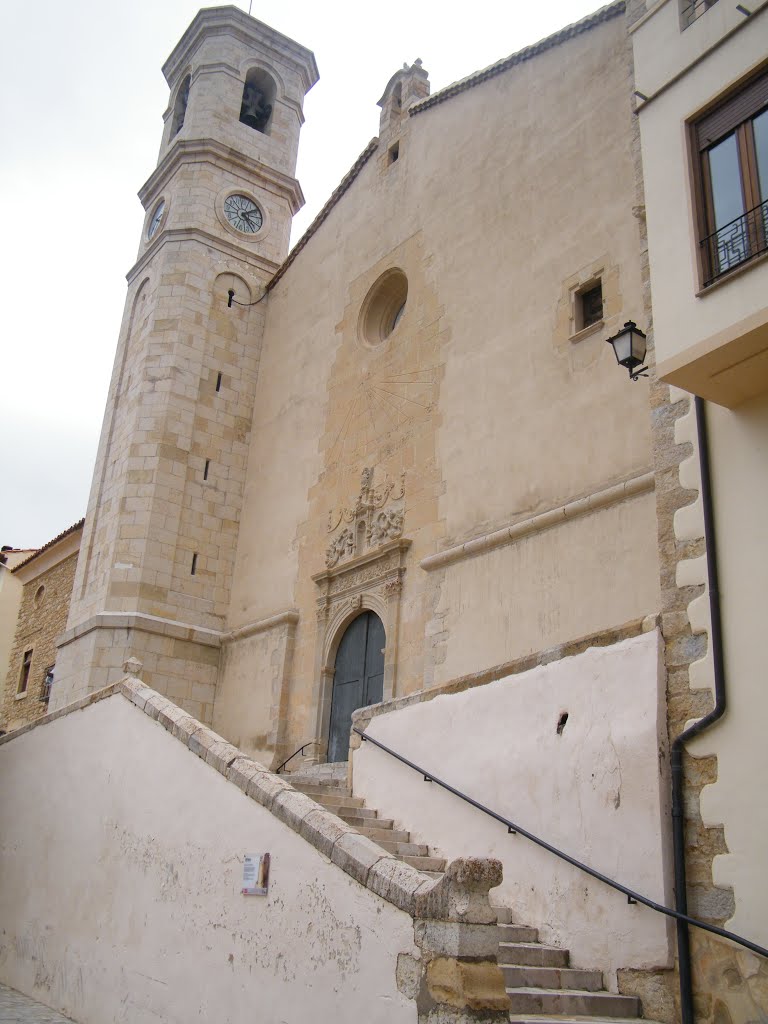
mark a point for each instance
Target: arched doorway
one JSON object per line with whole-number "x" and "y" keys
{"x": 358, "y": 678}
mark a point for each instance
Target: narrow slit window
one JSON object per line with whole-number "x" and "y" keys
{"x": 207, "y": 467}
{"x": 218, "y": 382}
{"x": 26, "y": 666}
{"x": 194, "y": 565}
{"x": 394, "y": 152}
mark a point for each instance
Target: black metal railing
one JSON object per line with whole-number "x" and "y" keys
{"x": 514, "y": 829}
{"x": 301, "y": 750}
{"x": 736, "y": 242}
{"x": 689, "y": 12}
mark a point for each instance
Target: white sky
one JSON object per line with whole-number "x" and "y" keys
{"x": 81, "y": 99}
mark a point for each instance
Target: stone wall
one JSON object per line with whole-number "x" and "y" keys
{"x": 42, "y": 618}
{"x": 485, "y": 411}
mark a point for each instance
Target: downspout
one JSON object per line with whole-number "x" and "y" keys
{"x": 676, "y": 754}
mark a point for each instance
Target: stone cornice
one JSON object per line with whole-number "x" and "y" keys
{"x": 253, "y": 33}
{"x": 146, "y": 624}
{"x": 226, "y": 248}
{"x": 223, "y": 158}
{"x": 558, "y": 516}
{"x": 287, "y": 618}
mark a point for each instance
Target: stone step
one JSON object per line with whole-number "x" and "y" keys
{"x": 552, "y": 977}
{"x": 426, "y": 863}
{"x": 359, "y": 812}
{"x": 340, "y": 803}
{"x": 389, "y": 835}
{"x": 532, "y": 954}
{"x": 527, "y": 1018}
{"x": 332, "y": 792}
{"x": 359, "y": 821}
{"x": 518, "y": 933}
{"x": 404, "y": 849}
{"x": 561, "y": 1001}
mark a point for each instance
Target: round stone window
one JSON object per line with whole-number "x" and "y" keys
{"x": 384, "y": 307}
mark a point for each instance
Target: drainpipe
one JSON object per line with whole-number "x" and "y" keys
{"x": 676, "y": 756}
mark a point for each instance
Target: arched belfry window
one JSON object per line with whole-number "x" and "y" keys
{"x": 180, "y": 107}
{"x": 258, "y": 100}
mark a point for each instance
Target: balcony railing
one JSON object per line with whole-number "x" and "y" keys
{"x": 693, "y": 9}
{"x": 736, "y": 243}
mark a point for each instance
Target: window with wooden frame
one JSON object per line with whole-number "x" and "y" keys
{"x": 732, "y": 156}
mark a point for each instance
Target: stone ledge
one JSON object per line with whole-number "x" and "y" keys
{"x": 145, "y": 624}
{"x": 286, "y": 618}
{"x": 569, "y": 649}
{"x": 638, "y": 485}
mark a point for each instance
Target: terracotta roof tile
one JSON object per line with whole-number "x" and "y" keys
{"x": 72, "y": 529}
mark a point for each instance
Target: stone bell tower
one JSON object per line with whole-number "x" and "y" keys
{"x": 158, "y": 549}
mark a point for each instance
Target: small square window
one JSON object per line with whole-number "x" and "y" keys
{"x": 589, "y": 306}
{"x": 26, "y": 665}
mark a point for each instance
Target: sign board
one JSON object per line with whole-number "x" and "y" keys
{"x": 255, "y": 874}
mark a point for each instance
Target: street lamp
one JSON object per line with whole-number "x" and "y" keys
{"x": 629, "y": 347}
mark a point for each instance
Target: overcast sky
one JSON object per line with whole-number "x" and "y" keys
{"x": 81, "y": 99}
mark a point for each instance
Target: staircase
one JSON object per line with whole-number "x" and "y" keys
{"x": 335, "y": 797}
{"x": 542, "y": 988}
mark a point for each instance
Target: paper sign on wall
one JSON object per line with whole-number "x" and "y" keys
{"x": 255, "y": 874}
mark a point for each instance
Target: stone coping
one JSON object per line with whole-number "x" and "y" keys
{"x": 175, "y": 630}
{"x": 604, "y": 638}
{"x": 558, "y": 516}
{"x": 460, "y": 896}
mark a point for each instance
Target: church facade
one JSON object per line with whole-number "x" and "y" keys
{"x": 398, "y": 463}
{"x": 415, "y": 415}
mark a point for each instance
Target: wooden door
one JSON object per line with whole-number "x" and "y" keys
{"x": 358, "y": 678}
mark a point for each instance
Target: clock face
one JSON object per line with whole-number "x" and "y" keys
{"x": 243, "y": 214}
{"x": 157, "y": 216}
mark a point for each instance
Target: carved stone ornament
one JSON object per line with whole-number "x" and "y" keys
{"x": 386, "y": 526}
{"x": 340, "y": 547}
{"x": 373, "y": 525}
{"x": 393, "y": 587}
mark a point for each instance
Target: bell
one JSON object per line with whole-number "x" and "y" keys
{"x": 255, "y": 112}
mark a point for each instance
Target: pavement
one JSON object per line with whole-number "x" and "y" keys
{"x": 18, "y": 1009}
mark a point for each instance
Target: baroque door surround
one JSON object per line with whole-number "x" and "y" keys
{"x": 373, "y": 582}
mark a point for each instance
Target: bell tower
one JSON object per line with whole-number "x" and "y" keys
{"x": 158, "y": 549}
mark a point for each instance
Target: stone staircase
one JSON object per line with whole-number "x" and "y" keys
{"x": 335, "y": 797}
{"x": 542, "y": 988}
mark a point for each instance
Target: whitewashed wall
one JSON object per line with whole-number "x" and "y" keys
{"x": 120, "y": 890}
{"x": 598, "y": 790}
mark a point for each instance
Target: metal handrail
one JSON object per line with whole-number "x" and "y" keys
{"x": 512, "y": 828}
{"x": 301, "y": 750}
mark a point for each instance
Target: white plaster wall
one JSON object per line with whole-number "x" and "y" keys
{"x": 120, "y": 891}
{"x": 739, "y": 456}
{"x": 598, "y": 791}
